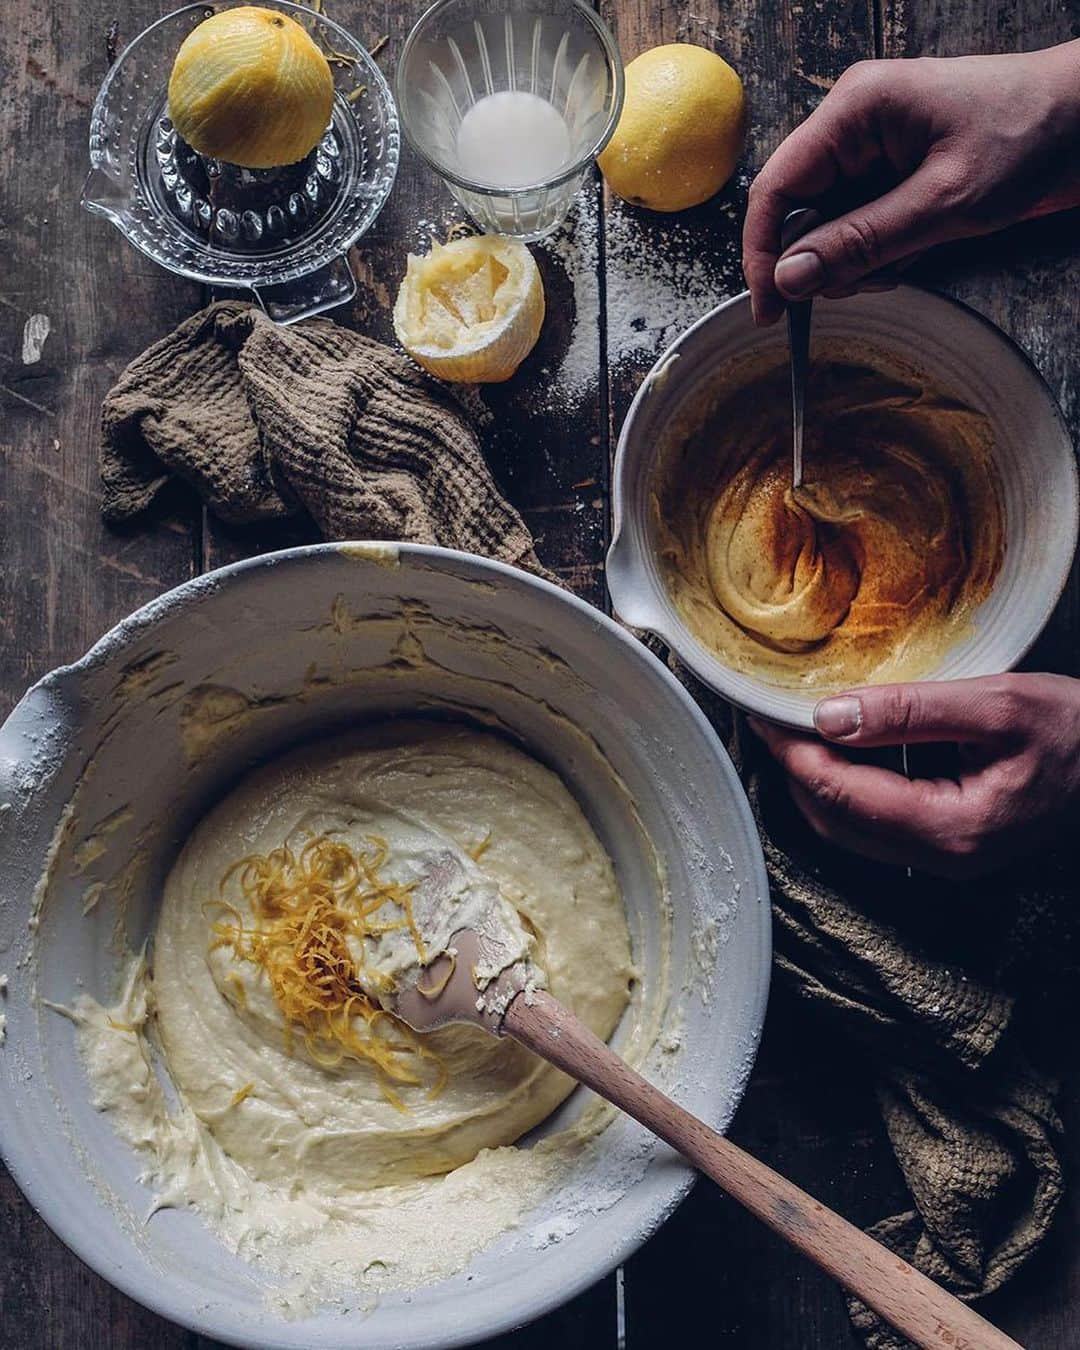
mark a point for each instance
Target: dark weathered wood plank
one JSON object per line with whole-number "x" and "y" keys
{"x": 1028, "y": 281}
{"x": 800, "y": 1112}
{"x": 807, "y": 1113}
{"x": 664, "y": 271}
{"x": 539, "y": 443}
{"x": 1028, "y": 278}
{"x": 549, "y": 453}
{"x": 65, "y": 577}
{"x": 713, "y": 1269}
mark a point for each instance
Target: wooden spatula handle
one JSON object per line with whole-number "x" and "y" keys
{"x": 904, "y": 1297}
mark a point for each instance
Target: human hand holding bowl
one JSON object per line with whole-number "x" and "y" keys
{"x": 1019, "y": 782}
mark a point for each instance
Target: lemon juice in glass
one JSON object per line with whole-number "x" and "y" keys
{"x": 510, "y": 101}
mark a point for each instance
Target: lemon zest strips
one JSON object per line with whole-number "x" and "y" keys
{"x": 478, "y": 850}
{"x": 434, "y": 990}
{"x": 241, "y": 1094}
{"x": 304, "y": 907}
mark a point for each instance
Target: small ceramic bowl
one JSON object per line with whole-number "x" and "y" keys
{"x": 967, "y": 356}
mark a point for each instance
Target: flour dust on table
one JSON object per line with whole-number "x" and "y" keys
{"x": 658, "y": 280}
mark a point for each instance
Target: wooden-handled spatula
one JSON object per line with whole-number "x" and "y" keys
{"x": 447, "y": 992}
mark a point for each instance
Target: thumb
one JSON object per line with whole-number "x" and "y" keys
{"x": 909, "y": 218}
{"x": 897, "y": 714}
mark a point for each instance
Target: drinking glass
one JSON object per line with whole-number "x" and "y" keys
{"x": 462, "y": 51}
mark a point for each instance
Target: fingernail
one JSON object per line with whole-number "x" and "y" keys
{"x": 799, "y": 275}
{"x": 764, "y": 312}
{"x": 838, "y": 717}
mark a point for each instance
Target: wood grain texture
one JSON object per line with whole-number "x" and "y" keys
{"x": 1027, "y": 280}
{"x": 661, "y": 271}
{"x": 538, "y": 444}
{"x": 713, "y": 1264}
{"x": 807, "y": 1112}
{"x": 620, "y": 285}
{"x": 811, "y": 1117}
{"x": 65, "y": 577}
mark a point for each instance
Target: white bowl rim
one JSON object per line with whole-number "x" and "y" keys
{"x": 48, "y": 1203}
{"x": 658, "y": 617}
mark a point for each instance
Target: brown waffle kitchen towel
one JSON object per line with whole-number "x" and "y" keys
{"x": 972, "y": 1121}
{"x": 937, "y": 993}
{"x": 263, "y": 420}
{"x": 915, "y": 984}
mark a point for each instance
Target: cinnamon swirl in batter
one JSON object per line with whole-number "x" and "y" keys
{"x": 872, "y": 568}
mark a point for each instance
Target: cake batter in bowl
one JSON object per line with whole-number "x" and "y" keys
{"x": 932, "y": 536}
{"x": 873, "y": 567}
{"x": 353, "y": 699}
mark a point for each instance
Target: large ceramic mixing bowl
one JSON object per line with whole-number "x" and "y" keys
{"x": 105, "y": 765}
{"x": 964, "y": 355}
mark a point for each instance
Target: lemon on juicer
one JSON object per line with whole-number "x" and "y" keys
{"x": 249, "y": 86}
{"x": 681, "y": 131}
{"x": 470, "y": 311}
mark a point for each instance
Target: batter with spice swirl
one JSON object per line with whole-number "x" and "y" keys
{"x": 867, "y": 572}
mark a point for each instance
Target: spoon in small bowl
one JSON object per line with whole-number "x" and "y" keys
{"x": 796, "y": 224}
{"x": 799, "y": 313}
{"x": 512, "y": 1004}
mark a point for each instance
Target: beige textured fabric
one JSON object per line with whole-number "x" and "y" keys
{"x": 917, "y": 995}
{"x": 922, "y": 986}
{"x": 263, "y": 420}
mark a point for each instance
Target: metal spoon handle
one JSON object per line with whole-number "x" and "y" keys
{"x": 798, "y": 318}
{"x": 796, "y": 224}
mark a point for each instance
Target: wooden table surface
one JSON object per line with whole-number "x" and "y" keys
{"x": 620, "y": 283}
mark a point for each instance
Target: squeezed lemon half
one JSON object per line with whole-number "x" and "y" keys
{"x": 249, "y": 86}
{"x": 471, "y": 310}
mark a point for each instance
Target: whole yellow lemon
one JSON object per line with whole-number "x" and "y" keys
{"x": 681, "y": 131}
{"x": 250, "y": 86}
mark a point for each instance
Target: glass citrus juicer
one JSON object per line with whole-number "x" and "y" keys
{"x": 281, "y": 233}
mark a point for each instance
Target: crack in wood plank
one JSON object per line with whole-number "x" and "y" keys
{"x": 22, "y": 398}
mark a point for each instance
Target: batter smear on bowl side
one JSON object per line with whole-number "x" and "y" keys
{"x": 312, "y": 1128}
{"x": 871, "y": 569}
